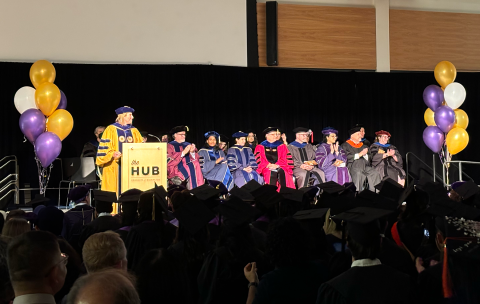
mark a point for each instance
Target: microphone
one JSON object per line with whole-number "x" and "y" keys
{"x": 155, "y": 137}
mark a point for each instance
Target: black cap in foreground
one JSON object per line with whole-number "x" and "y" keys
{"x": 251, "y": 186}
{"x": 38, "y": 200}
{"x": 266, "y": 197}
{"x": 362, "y": 223}
{"x": 193, "y": 215}
{"x": 312, "y": 214}
{"x": 236, "y": 212}
{"x": 467, "y": 190}
{"x": 104, "y": 196}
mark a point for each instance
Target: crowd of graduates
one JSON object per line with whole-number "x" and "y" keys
{"x": 327, "y": 243}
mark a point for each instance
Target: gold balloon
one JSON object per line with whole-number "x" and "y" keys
{"x": 60, "y": 123}
{"x": 429, "y": 117}
{"x": 47, "y": 98}
{"x": 445, "y": 73}
{"x": 457, "y": 140}
{"x": 461, "y": 119}
{"x": 42, "y": 71}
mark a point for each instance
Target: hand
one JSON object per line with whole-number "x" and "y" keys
{"x": 248, "y": 169}
{"x": 329, "y": 225}
{"x": 364, "y": 151}
{"x": 117, "y": 155}
{"x": 284, "y": 137}
{"x": 250, "y": 272}
{"x": 303, "y": 166}
{"x": 219, "y": 160}
{"x": 308, "y": 167}
{"x": 419, "y": 264}
{"x": 331, "y": 149}
{"x": 335, "y": 147}
{"x": 395, "y": 158}
{"x": 187, "y": 149}
{"x": 192, "y": 148}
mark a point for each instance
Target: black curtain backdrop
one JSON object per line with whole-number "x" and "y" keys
{"x": 229, "y": 99}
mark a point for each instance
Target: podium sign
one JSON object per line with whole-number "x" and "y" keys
{"x": 143, "y": 165}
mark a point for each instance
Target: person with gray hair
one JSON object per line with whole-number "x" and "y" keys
{"x": 106, "y": 287}
{"x": 91, "y": 147}
{"x": 104, "y": 250}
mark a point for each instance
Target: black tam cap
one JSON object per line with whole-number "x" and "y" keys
{"x": 39, "y": 200}
{"x": 270, "y": 129}
{"x": 193, "y": 215}
{"x": 362, "y": 223}
{"x": 300, "y": 129}
{"x": 355, "y": 129}
{"x": 178, "y": 129}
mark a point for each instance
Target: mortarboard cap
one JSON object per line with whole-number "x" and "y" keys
{"x": 467, "y": 190}
{"x": 104, "y": 196}
{"x": 50, "y": 219}
{"x": 406, "y": 193}
{"x": 218, "y": 185}
{"x": 131, "y": 195}
{"x": 270, "y": 129}
{"x": 362, "y": 223}
{"x": 193, "y": 215}
{"x": 312, "y": 214}
{"x": 38, "y": 200}
{"x": 251, "y": 186}
{"x": 331, "y": 188}
{"x": 266, "y": 197}
{"x": 350, "y": 187}
{"x": 237, "y": 212}
{"x": 174, "y": 188}
{"x": 309, "y": 192}
{"x": 242, "y": 194}
{"x": 78, "y": 193}
{"x": 367, "y": 198}
{"x": 123, "y": 110}
{"x": 390, "y": 189}
{"x": 448, "y": 207}
{"x": 300, "y": 129}
{"x": 211, "y": 133}
{"x": 292, "y": 194}
{"x": 205, "y": 192}
{"x": 239, "y": 134}
{"x": 161, "y": 196}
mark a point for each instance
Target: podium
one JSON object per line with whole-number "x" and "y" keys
{"x": 143, "y": 165}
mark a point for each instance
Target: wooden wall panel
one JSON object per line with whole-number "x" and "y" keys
{"x": 321, "y": 37}
{"x": 419, "y": 40}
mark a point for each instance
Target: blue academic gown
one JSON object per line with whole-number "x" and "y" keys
{"x": 238, "y": 158}
{"x": 213, "y": 171}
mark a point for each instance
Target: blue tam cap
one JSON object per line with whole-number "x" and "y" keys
{"x": 123, "y": 110}
{"x": 239, "y": 134}
{"x": 212, "y": 133}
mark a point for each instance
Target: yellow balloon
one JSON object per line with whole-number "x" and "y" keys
{"x": 457, "y": 140}
{"x": 428, "y": 116}
{"x": 60, "y": 123}
{"x": 461, "y": 119}
{"x": 42, "y": 71}
{"x": 47, "y": 98}
{"x": 445, "y": 73}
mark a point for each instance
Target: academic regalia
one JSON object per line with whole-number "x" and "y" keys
{"x": 101, "y": 224}
{"x": 302, "y": 152}
{"x": 213, "y": 171}
{"x": 112, "y": 140}
{"x": 325, "y": 161}
{"x": 74, "y": 221}
{"x": 360, "y": 168}
{"x": 275, "y": 153}
{"x": 239, "y": 158}
{"x": 186, "y": 167}
{"x": 387, "y": 167}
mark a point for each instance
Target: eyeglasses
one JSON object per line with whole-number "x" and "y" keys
{"x": 181, "y": 134}
{"x": 303, "y": 134}
{"x": 332, "y": 136}
{"x": 385, "y": 136}
{"x": 63, "y": 259}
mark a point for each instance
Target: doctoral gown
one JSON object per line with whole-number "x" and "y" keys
{"x": 387, "y": 167}
{"x": 238, "y": 158}
{"x": 325, "y": 161}
{"x": 112, "y": 140}
{"x": 360, "y": 168}
{"x": 302, "y": 152}
{"x": 186, "y": 167}
{"x": 275, "y": 153}
{"x": 213, "y": 171}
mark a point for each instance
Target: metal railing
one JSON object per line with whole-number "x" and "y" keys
{"x": 10, "y": 179}
{"x": 434, "y": 173}
{"x": 460, "y": 169}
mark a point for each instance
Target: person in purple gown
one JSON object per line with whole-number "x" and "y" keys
{"x": 241, "y": 161}
{"x": 331, "y": 158}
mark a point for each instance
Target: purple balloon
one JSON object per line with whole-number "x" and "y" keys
{"x": 433, "y": 96}
{"x": 32, "y": 123}
{"x": 433, "y": 137}
{"x": 444, "y": 118}
{"x": 63, "y": 101}
{"x": 47, "y": 147}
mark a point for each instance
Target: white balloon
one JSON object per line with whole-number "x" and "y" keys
{"x": 25, "y": 99}
{"x": 455, "y": 95}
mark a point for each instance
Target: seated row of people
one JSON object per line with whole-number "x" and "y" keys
{"x": 277, "y": 163}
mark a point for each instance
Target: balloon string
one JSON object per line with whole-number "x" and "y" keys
{"x": 24, "y": 139}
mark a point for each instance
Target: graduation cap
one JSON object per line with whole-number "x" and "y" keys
{"x": 129, "y": 200}
{"x": 331, "y": 188}
{"x": 448, "y": 207}
{"x": 104, "y": 200}
{"x": 266, "y": 197}
{"x": 130, "y": 195}
{"x": 390, "y": 189}
{"x": 312, "y": 214}
{"x": 467, "y": 190}
{"x": 50, "y": 219}
{"x": 79, "y": 193}
{"x": 174, "y": 188}
{"x": 161, "y": 196}
{"x": 208, "y": 195}
{"x": 237, "y": 212}
{"x": 300, "y": 129}
{"x": 270, "y": 129}
{"x": 309, "y": 192}
{"x": 435, "y": 190}
{"x": 339, "y": 204}
{"x": 362, "y": 223}
{"x": 242, "y": 194}
{"x": 193, "y": 215}
{"x": 293, "y": 195}
{"x": 367, "y": 198}
{"x": 218, "y": 185}
{"x": 239, "y": 134}
{"x": 148, "y": 203}
{"x": 39, "y": 199}
{"x": 251, "y": 186}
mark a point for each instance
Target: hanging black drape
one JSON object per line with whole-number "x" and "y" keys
{"x": 229, "y": 99}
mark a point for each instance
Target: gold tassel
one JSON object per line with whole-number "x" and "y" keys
{"x": 186, "y": 127}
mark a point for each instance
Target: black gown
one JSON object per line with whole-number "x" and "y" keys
{"x": 101, "y": 224}
{"x": 369, "y": 284}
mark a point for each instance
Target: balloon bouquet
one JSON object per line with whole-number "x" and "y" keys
{"x": 43, "y": 120}
{"x": 445, "y": 134}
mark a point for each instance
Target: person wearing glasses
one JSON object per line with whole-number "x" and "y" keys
{"x": 331, "y": 158}
{"x": 110, "y": 148}
{"x": 386, "y": 159}
{"x": 274, "y": 161}
{"x": 303, "y": 153}
{"x": 183, "y": 164}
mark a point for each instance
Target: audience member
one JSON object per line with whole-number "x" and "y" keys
{"x": 6, "y": 290}
{"x": 79, "y": 216}
{"x": 104, "y": 250}
{"x": 14, "y": 227}
{"x": 37, "y": 267}
{"x": 91, "y": 147}
{"x": 110, "y": 286}
{"x": 17, "y": 213}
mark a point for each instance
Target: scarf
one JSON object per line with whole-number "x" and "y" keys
{"x": 359, "y": 145}
{"x": 297, "y": 144}
{"x": 273, "y": 145}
